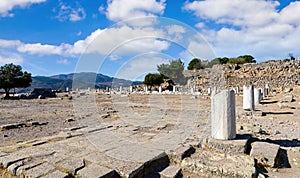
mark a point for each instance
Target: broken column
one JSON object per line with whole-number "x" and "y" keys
{"x": 267, "y": 89}
{"x": 209, "y": 91}
{"x": 160, "y": 90}
{"x": 248, "y": 97}
{"x": 257, "y": 96}
{"x": 223, "y": 115}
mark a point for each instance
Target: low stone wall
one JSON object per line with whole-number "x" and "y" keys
{"x": 278, "y": 74}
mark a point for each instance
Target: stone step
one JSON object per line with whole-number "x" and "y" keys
{"x": 207, "y": 162}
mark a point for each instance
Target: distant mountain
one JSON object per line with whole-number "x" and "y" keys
{"x": 79, "y": 80}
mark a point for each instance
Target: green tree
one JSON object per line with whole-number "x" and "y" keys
{"x": 247, "y": 58}
{"x": 11, "y": 76}
{"x": 173, "y": 71}
{"x": 153, "y": 79}
{"x": 195, "y": 64}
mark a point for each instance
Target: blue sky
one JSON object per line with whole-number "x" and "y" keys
{"x": 48, "y": 37}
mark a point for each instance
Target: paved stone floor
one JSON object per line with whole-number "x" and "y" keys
{"x": 133, "y": 144}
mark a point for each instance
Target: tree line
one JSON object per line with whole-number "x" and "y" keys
{"x": 174, "y": 70}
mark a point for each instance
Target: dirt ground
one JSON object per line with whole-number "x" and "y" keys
{"x": 273, "y": 120}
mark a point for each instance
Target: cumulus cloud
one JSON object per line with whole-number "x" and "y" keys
{"x": 70, "y": 13}
{"x": 254, "y": 26}
{"x": 6, "y": 6}
{"x": 6, "y": 58}
{"x": 118, "y": 10}
{"x": 137, "y": 67}
{"x": 119, "y": 41}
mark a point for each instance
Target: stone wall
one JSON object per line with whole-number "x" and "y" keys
{"x": 278, "y": 74}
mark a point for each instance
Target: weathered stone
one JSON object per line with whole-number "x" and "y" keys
{"x": 208, "y": 163}
{"x": 6, "y": 161}
{"x": 13, "y": 168}
{"x": 180, "y": 153}
{"x": 248, "y": 97}
{"x": 39, "y": 170}
{"x": 96, "y": 171}
{"x": 56, "y": 174}
{"x": 28, "y": 164}
{"x": 287, "y": 99}
{"x": 71, "y": 165}
{"x": 265, "y": 153}
{"x": 239, "y": 145}
{"x": 223, "y": 115}
{"x": 172, "y": 171}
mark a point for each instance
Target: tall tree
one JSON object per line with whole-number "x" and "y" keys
{"x": 11, "y": 76}
{"x": 173, "y": 71}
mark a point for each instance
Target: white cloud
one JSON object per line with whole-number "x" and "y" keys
{"x": 63, "y": 61}
{"x": 69, "y": 13}
{"x": 250, "y": 27}
{"x": 8, "y": 5}
{"x": 10, "y": 58}
{"x": 119, "y": 10}
{"x": 9, "y": 43}
{"x": 41, "y": 49}
{"x": 235, "y": 12}
{"x": 139, "y": 66}
{"x": 122, "y": 40}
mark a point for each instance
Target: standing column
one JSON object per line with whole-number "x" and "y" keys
{"x": 209, "y": 91}
{"x": 257, "y": 96}
{"x": 223, "y": 115}
{"x": 130, "y": 89}
{"x": 248, "y": 97}
{"x": 160, "y": 90}
{"x": 174, "y": 89}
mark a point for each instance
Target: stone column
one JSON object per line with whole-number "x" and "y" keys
{"x": 209, "y": 91}
{"x": 67, "y": 89}
{"x": 174, "y": 89}
{"x": 121, "y": 89}
{"x": 160, "y": 90}
{"x": 267, "y": 89}
{"x": 223, "y": 115}
{"x": 130, "y": 89}
{"x": 192, "y": 90}
{"x": 248, "y": 97}
{"x": 257, "y": 96}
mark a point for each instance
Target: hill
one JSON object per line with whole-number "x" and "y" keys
{"x": 79, "y": 80}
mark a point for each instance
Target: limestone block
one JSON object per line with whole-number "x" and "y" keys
{"x": 265, "y": 153}
{"x": 172, "y": 171}
{"x": 96, "y": 171}
{"x": 223, "y": 115}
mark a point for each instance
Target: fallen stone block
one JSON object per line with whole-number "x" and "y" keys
{"x": 172, "y": 171}
{"x": 180, "y": 153}
{"x": 265, "y": 153}
{"x": 96, "y": 171}
{"x": 287, "y": 99}
{"x": 208, "y": 163}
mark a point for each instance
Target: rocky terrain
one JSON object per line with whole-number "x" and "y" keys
{"x": 140, "y": 135}
{"x": 120, "y": 134}
{"x": 278, "y": 74}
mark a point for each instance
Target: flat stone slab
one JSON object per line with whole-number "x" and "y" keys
{"x": 56, "y": 174}
{"x": 172, "y": 171}
{"x": 265, "y": 153}
{"x": 40, "y": 170}
{"x": 71, "y": 165}
{"x": 235, "y": 146}
{"x": 96, "y": 171}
